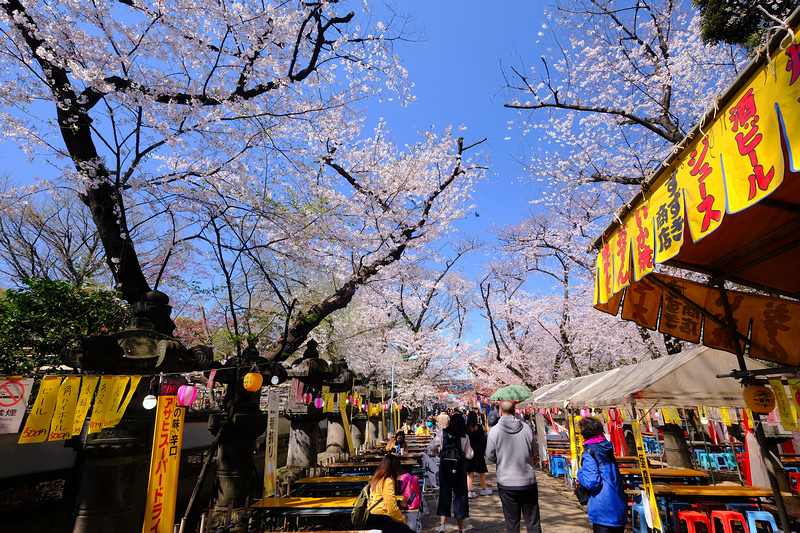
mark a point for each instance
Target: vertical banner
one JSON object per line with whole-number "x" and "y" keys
{"x": 785, "y": 409}
{"x": 88, "y": 385}
{"x": 573, "y": 447}
{"x": 64, "y": 415}
{"x": 38, "y": 424}
{"x": 14, "y": 394}
{"x": 645, "y": 468}
{"x": 101, "y": 401}
{"x": 345, "y": 421}
{"x": 112, "y": 419}
{"x": 159, "y": 516}
{"x": 117, "y": 391}
{"x": 271, "y": 450}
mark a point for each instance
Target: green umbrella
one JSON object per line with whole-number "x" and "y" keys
{"x": 515, "y": 393}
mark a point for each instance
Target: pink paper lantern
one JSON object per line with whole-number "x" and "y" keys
{"x": 585, "y": 413}
{"x": 186, "y": 395}
{"x": 319, "y": 403}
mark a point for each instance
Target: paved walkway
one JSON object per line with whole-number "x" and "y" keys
{"x": 559, "y": 509}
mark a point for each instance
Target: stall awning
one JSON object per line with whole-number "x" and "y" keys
{"x": 686, "y": 379}
{"x": 727, "y": 203}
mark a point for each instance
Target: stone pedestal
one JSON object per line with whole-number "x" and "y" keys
{"x": 357, "y": 435}
{"x": 372, "y": 429}
{"x": 337, "y": 439}
{"x": 676, "y": 449}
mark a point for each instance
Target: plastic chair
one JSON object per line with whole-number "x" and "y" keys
{"x": 693, "y": 522}
{"x": 720, "y": 460}
{"x": 728, "y": 522}
{"x": 792, "y": 468}
{"x": 708, "y": 507}
{"x": 731, "y": 459}
{"x": 558, "y": 466}
{"x": 638, "y": 521}
{"x": 743, "y": 508}
{"x": 761, "y": 522}
{"x": 672, "y": 513}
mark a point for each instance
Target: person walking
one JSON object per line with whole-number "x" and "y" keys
{"x": 452, "y": 485}
{"x": 511, "y": 446}
{"x": 477, "y": 440}
{"x": 599, "y": 473}
{"x": 385, "y": 514}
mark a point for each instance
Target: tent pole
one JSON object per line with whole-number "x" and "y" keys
{"x": 758, "y": 428}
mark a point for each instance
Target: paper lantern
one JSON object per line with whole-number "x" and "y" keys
{"x": 253, "y": 381}
{"x": 319, "y": 403}
{"x": 759, "y": 399}
{"x": 149, "y": 402}
{"x": 307, "y": 398}
{"x": 186, "y": 395}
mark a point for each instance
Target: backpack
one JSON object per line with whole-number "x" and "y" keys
{"x": 409, "y": 484}
{"x": 451, "y": 454}
{"x": 361, "y": 509}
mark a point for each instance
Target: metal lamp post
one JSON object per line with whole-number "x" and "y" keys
{"x": 391, "y": 392}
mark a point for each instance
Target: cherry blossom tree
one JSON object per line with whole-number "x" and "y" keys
{"x": 619, "y": 85}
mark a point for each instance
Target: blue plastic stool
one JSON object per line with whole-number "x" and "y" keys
{"x": 672, "y": 514}
{"x": 743, "y": 507}
{"x": 759, "y": 521}
{"x": 731, "y": 459}
{"x": 720, "y": 461}
{"x": 638, "y": 521}
{"x": 558, "y": 466}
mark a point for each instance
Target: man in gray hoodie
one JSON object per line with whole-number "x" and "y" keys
{"x": 511, "y": 446}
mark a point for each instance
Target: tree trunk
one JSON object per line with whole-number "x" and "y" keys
{"x": 676, "y": 449}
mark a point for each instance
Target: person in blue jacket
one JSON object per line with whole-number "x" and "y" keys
{"x": 607, "y": 507}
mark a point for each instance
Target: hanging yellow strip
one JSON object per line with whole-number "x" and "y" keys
{"x": 115, "y": 419}
{"x": 38, "y": 423}
{"x": 101, "y": 402}
{"x": 64, "y": 413}
{"x": 645, "y": 468}
{"x": 788, "y": 418}
{"x": 88, "y": 385}
{"x": 345, "y": 422}
{"x": 725, "y": 415}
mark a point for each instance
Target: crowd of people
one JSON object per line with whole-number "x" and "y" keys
{"x": 465, "y": 442}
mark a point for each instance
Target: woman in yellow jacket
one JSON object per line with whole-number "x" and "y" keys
{"x": 384, "y": 512}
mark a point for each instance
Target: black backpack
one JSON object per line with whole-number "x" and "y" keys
{"x": 451, "y": 454}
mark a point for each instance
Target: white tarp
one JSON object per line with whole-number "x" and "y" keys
{"x": 683, "y": 380}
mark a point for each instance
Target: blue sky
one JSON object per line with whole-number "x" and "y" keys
{"x": 455, "y": 68}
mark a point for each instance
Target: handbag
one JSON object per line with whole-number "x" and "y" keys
{"x": 361, "y": 509}
{"x": 582, "y": 493}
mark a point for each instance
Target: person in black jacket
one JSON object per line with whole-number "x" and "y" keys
{"x": 477, "y": 439}
{"x": 607, "y": 507}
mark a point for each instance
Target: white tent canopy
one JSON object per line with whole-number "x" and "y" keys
{"x": 686, "y": 379}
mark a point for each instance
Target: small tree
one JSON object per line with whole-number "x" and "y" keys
{"x": 43, "y": 318}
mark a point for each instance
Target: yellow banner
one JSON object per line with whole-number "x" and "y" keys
{"x": 38, "y": 423}
{"x": 345, "y": 422}
{"x": 785, "y": 409}
{"x": 741, "y": 157}
{"x": 117, "y": 391}
{"x": 114, "y": 419}
{"x": 64, "y": 414}
{"x": 271, "y": 451}
{"x": 573, "y": 447}
{"x": 88, "y": 385}
{"x": 159, "y": 514}
{"x": 725, "y": 416}
{"x": 101, "y": 403}
{"x": 645, "y": 468}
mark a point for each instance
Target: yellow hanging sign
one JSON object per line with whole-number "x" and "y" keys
{"x": 64, "y": 413}
{"x": 88, "y": 385}
{"x": 345, "y": 422}
{"x": 101, "y": 403}
{"x": 38, "y": 424}
{"x": 785, "y": 408}
{"x": 645, "y": 468}
{"x": 159, "y": 516}
{"x": 114, "y": 419}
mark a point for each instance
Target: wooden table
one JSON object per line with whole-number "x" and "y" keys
{"x": 326, "y": 485}
{"x": 368, "y": 466}
{"x": 714, "y": 492}
{"x": 665, "y": 473}
{"x": 305, "y": 506}
{"x": 377, "y": 457}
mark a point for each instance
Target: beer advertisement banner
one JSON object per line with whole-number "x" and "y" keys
{"x": 739, "y": 159}
{"x": 88, "y": 386}
{"x": 159, "y": 515}
{"x": 64, "y": 414}
{"x": 37, "y": 426}
{"x": 271, "y": 451}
